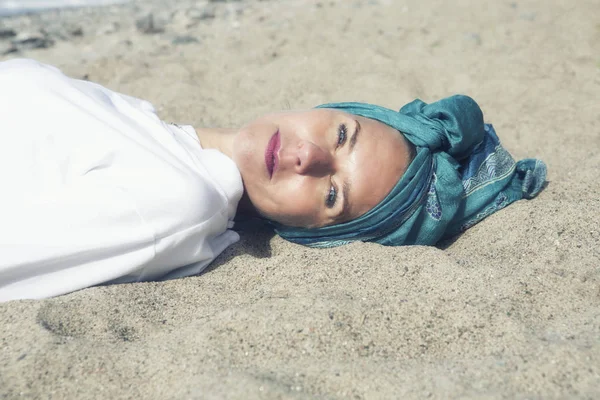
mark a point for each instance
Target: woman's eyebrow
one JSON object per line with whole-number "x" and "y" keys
{"x": 354, "y": 135}
{"x": 346, "y": 185}
{"x": 346, "y": 206}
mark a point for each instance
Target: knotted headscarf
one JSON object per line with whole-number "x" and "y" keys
{"x": 460, "y": 175}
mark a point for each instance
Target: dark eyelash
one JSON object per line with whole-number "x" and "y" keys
{"x": 342, "y": 134}
{"x": 331, "y": 197}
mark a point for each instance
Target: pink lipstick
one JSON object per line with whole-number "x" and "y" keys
{"x": 271, "y": 157}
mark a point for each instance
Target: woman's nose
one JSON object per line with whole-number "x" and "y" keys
{"x": 310, "y": 159}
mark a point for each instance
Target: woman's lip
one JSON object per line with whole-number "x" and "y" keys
{"x": 271, "y": 154}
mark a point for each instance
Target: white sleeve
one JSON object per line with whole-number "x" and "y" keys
{"x": 85, "y": 235}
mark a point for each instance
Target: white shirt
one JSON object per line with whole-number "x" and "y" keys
{"x": 95, "y": 188}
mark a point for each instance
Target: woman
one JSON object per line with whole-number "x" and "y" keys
{"x": 97, "y": 189}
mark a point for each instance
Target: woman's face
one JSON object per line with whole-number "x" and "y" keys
{"x": 318, "y": 167}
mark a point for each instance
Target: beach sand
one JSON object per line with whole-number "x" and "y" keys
{"x": 508, "y": 310}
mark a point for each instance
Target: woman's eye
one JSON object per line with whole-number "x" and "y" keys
{"x": 342, "y": 133}
{"x": 331, "y": 197}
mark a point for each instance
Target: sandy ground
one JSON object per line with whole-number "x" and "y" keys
{"x": 509, "y": 310}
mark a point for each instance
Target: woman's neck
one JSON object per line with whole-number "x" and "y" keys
{"x": 217, "y": 138}
{"x": 222, "y": 140}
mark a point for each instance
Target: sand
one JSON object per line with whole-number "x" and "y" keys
{"x": 508, "y": 310}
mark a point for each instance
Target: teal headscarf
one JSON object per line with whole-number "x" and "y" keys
{"x": 460, "y": 175}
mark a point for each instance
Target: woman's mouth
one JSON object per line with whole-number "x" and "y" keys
{"x": 271, "y": 158}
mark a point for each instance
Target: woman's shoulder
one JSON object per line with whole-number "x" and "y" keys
{"x": 28, "y": 68}
{"x": 173, "y": 198}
